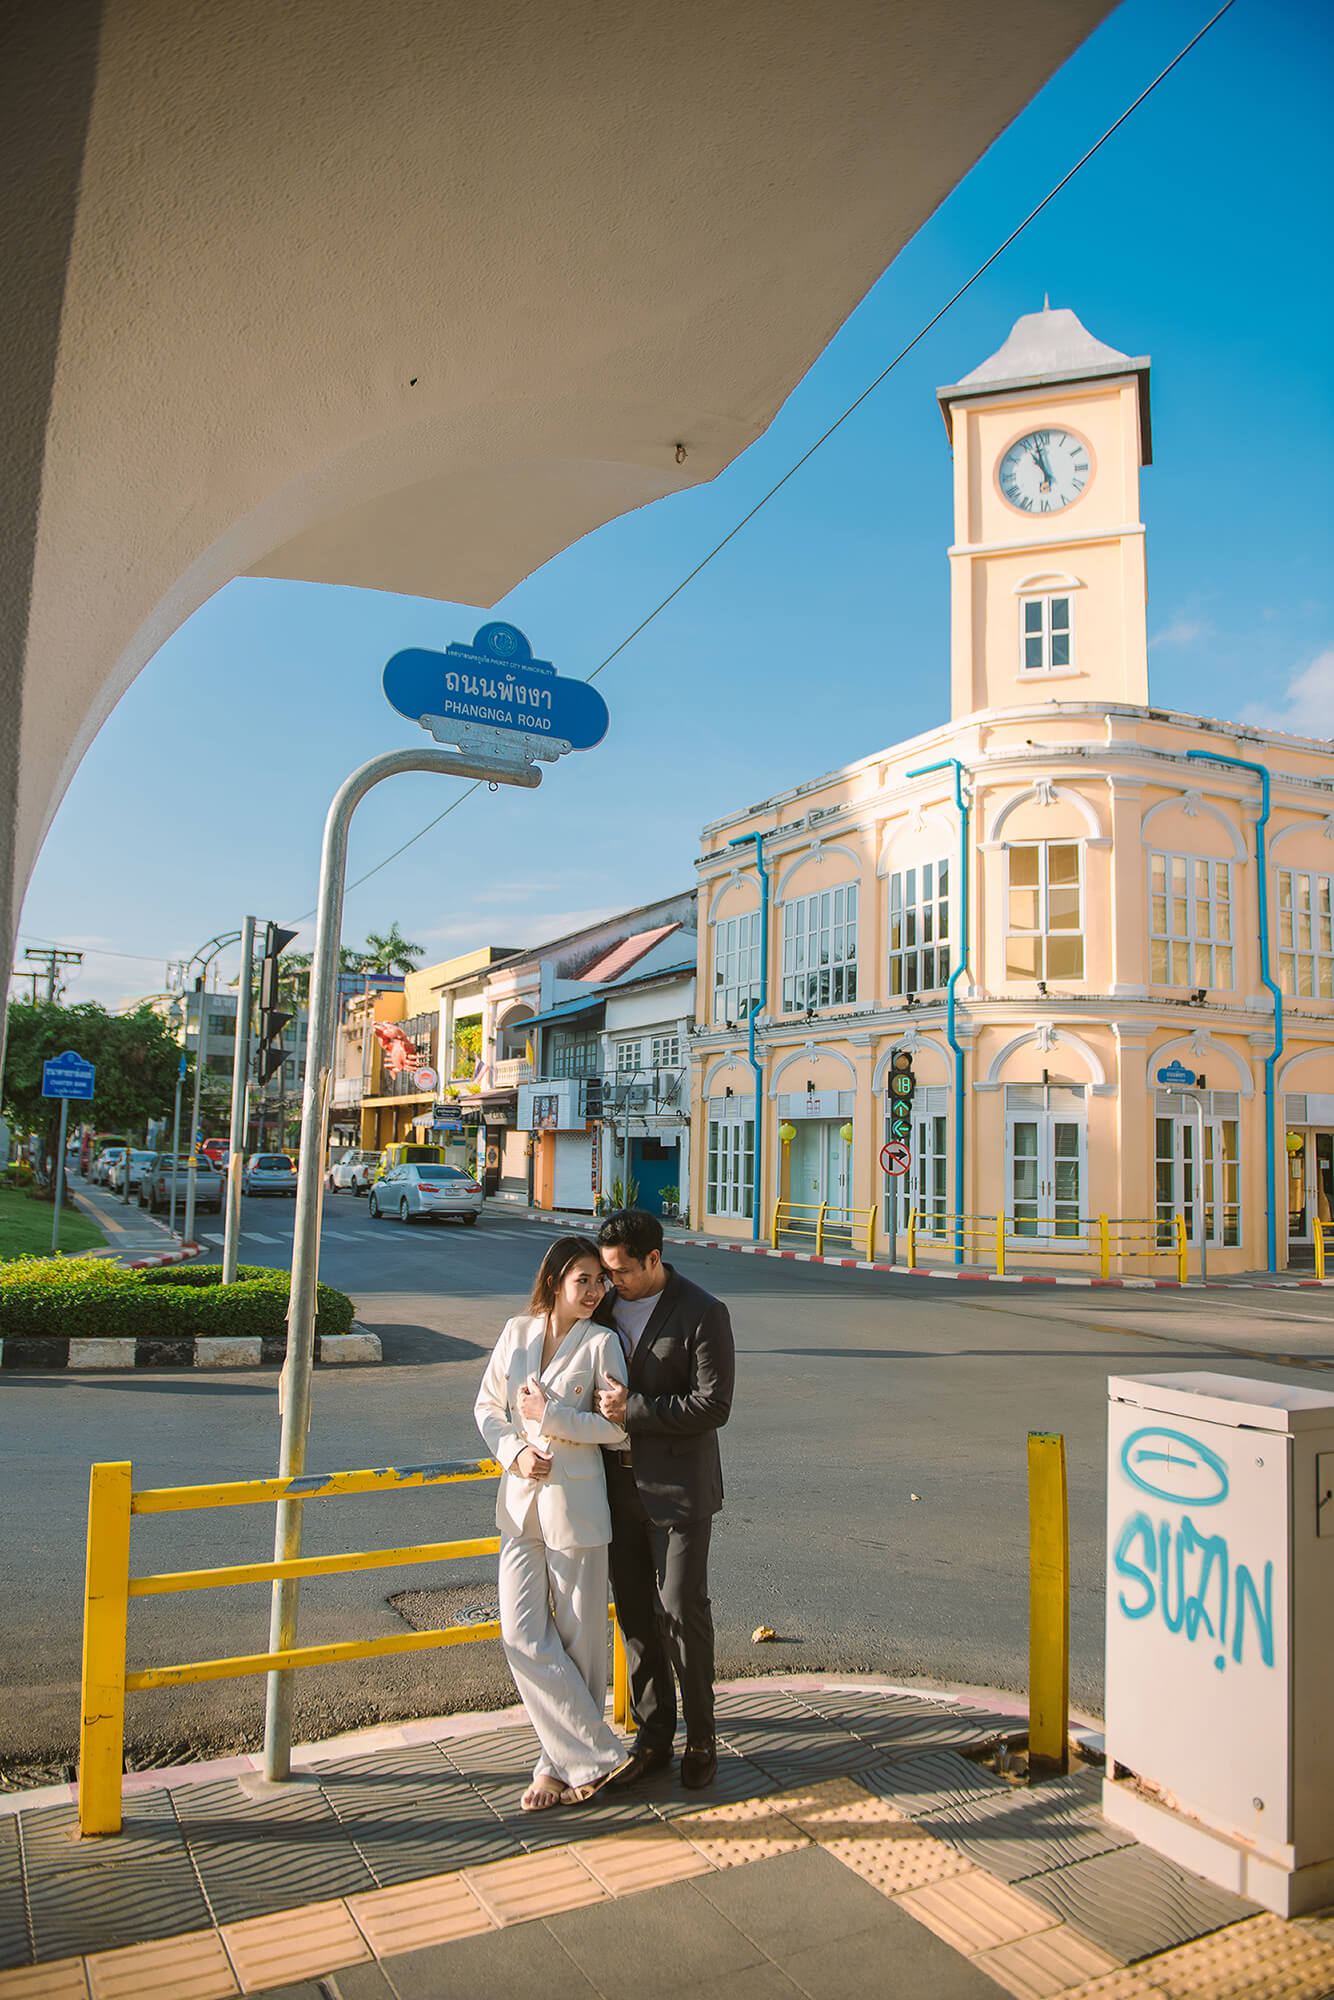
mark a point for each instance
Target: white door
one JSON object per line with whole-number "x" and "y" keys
{"x": 924, "y": 1190}
{"x": 1044, "y": 1161}
{"x": 818, "y": 1166}
{"x": 1206, "y": 1195}
{"x": 574, "y": 1170}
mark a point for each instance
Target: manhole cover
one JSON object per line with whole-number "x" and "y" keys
{"x": 454, "y": 1604}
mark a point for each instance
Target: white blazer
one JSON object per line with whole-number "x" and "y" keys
{"x": 571, "y": 1502}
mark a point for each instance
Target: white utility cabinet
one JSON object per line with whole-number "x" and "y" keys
{"x": 1220, "y": 1629}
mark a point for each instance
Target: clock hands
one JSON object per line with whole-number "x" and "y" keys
{"x": 1040, "y": 460}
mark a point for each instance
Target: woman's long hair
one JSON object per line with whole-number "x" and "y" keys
{"x": 566, "y": 1250}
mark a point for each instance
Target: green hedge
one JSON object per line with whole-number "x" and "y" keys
{"x": 88, "y": 1298}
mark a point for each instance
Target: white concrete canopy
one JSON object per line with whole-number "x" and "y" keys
{"x": 386, "y": 293}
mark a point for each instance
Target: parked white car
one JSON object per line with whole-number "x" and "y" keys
{"x": 421, "y": 1193}
{"x": 353, "y": 1173}
{"x": 116, "y": 1173}
{"x": 100, "y": 1171}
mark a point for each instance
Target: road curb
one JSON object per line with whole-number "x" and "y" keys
{"x": 180, "y": 1256}
{"x": 61, "y": 1353}
{"x": 965, "y": 1275}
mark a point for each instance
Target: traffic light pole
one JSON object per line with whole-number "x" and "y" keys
{"x": 321, "y": 1028}
{"x": 240, "y": 1085}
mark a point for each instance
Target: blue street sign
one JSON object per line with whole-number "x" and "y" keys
{"x": 1175, "y": 1075}
{"x": 67, "y": 1076}
{"x": 495, "y": 683}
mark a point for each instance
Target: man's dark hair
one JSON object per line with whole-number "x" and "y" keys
{"x": 632, "y": 1229}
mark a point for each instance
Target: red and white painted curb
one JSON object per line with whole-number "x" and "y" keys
{"x": 181, "y": 1255}
{"x": 965, "y": 1274}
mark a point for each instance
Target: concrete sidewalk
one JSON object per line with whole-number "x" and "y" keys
{"x": 856, "y": 1841}
{"x": 134, "y": 1237}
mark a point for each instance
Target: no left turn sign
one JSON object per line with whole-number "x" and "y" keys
{"x": 895, "y": 1159}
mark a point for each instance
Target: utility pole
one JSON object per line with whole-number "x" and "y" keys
{"x": 240, "y": 1092}
{"x": 51, "y": 959}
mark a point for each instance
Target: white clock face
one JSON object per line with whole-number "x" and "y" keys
{"x": 1045, "y": 471}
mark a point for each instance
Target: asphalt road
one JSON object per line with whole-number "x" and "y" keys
{"x": 875, "y": 1467}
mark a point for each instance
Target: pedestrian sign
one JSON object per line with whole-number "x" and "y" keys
{"x": 68, "y": 1076}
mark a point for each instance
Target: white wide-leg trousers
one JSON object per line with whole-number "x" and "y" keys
{"x": 553, "y": 1624}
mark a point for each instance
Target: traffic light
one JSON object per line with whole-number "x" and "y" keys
{"x": 272, "y": 1019}
{"x": 901, "y": 1086}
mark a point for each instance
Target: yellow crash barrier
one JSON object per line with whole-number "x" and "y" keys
{"x": 108, "y": 1588}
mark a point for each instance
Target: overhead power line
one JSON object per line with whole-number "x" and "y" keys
{"x": 837, "y": 424}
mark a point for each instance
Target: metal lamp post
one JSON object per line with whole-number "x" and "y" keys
{"x": 204, "y": 957}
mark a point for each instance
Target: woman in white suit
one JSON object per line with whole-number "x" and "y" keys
{"x": 536, "y": 1411}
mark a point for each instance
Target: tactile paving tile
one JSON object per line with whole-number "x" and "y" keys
{"x": 974, "y": 1912}
{"x": 816, "y": 1804}
{"x": 1260, "y": 1959}
{"x": 930, "y": 1780}
{"x": 644, "y": 1858}
{"x": 1127, "y": 1985}
{"x": 951, "y": 1728}
{"x": 97, "y": 1895}
{"x": 15, "y": 1948}
{"x": 1135, "y": 1902}
{"x": 62, "y": 1980}
{"x": 1021, "y": 1834}
{"x": 184, "y": 1968}
{"x": 295, "y": 1945}
{"x": 419, "y": 1914}
{"x": 728, "y": 1836}
{"x": 536, "y": 1885}
{"x": 495, "y": 1758}
{"x": 256, "y": 1855}
{"x": 893, "y": 1857}
{"x": 410, "y": 1814}
{"x": 1038, "y": 1968}
{"x": 664, "y": 1794}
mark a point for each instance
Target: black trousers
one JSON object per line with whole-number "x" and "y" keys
{"x": 660, "y": 1580}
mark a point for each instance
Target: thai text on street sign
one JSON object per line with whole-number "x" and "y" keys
{"x": 467, "y": 694}
{"x": 1176, "y": 1076}
{"x": 902, "y": 1083}
{"x": 69, "y": 1075}
{"x": 895, "y": 1158}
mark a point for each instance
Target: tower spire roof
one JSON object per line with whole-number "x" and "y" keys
{"x": 1048, "y": 347}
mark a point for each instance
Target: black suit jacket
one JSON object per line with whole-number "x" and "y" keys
{"x": 679, "y": 1397}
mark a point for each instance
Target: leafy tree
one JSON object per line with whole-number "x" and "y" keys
{"x": 137, "y": 1058}
{"x": 467, "y": 1048}
{"x": 390, "y": 952}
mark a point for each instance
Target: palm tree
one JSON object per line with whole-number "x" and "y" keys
{"x": 391, "y": 952}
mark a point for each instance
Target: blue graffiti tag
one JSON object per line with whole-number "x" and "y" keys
{"x": 1168, "y": 1565}
{"x": 1192, "y": 1461}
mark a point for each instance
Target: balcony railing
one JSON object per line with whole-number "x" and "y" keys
{"x": 512, "y": 1070}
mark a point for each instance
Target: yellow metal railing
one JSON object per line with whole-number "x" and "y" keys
{"x": 112, "y": 1503}
{"x": 789, "y": 1220}
{"x": 1100, "y": 1236}
{"x": 1318, "y": 1228}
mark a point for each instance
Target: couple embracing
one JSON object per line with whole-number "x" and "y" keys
{"x": 603, "y": 1403}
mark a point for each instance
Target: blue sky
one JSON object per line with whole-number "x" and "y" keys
{"x": 1199, "y": 235}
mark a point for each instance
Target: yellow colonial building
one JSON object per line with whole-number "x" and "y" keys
{"x": 1042, "y": 904}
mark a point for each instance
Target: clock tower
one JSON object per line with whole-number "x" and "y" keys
{"x": 1047, "y": 571}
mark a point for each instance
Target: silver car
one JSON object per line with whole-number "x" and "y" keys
{"x": 269, "y": 1173}
{"x": 414, "y": 1193}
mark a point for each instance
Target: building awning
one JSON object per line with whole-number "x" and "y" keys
{"x": 566, "y": 1011}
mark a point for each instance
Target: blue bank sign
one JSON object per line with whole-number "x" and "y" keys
{"x": 67, "y": 1076}
{"x": 468, "y": 692}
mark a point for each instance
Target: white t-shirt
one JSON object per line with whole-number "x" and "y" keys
{"x": 632, "y": 1316}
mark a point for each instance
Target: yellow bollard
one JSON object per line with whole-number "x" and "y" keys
{"x": 105, "y": 1608}
{"x": 1180, "y": 1223}
{"x": 773, "y": 1232}
{"x": 1319, "y": 1247}
{"x": 620, "y": 1679}
{"x": 1104, "y": 1247}
{"x": 1048, "y": 1605}
{"x": 870, "y": 1234}
{"x": 819, "y": 1229}
{"x": 912, "y": 1239}
{"x": 1000, "y": 1246}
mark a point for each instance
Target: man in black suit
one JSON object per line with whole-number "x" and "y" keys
{"x": 665, "y": 1489}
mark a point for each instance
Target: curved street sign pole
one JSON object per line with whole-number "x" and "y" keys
{"x": 495, "y": 767}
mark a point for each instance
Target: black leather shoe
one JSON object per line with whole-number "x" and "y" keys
{"x": 643, "y": 1762}
{"x": 699, "y": 1765}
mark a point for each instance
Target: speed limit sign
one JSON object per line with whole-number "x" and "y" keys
{"x": 895, "y": 1158}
